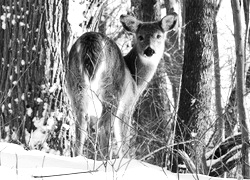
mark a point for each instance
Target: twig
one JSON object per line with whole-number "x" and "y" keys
{"x": 66, "y": 174}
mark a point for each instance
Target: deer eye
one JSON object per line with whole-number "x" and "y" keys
{"x": 140, "y": 38}
{"x": 158, "y": 36}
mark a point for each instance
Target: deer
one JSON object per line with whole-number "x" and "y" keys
{"x": 103, "y": 86}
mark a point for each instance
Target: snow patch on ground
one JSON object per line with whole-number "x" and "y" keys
{"x": 17, "y": 163}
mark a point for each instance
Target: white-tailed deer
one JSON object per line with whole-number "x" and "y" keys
{"x": 103, "y": 85}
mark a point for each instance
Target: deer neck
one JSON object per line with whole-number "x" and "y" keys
{"x": 142, "y": 68}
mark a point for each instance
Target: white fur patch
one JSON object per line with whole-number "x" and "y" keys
{"x": 95, "y": 105}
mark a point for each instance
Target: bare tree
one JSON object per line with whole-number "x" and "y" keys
{"x": 195, "y": 95}
{"x": 240, "y": 87}
{"x": 220, "y": 125}
{"x": 174, "y": 58}
{"x": 246, "y": 5}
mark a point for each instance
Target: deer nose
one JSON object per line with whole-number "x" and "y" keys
{"x": 149, "y": 52}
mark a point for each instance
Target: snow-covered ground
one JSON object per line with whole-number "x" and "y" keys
{"x": 17, "y": 163}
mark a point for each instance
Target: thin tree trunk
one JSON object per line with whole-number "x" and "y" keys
{"x": 246, "y": 5}
{"x": 174, "y": 62}
{"x": 240, "y": 88}
{"x": 2, "y": 26}
{"x": 174, "y": 47}
{"x": 220, "y": 125}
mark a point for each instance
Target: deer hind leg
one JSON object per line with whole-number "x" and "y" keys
{"x": 81, "y": 123}
{"x": 81, "y": 132}
{"x": 104, "y": 134}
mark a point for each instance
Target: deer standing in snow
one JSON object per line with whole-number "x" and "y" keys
{"x": 104, "y": 85}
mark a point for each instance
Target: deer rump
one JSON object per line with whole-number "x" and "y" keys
{"x": 100, "y": 88}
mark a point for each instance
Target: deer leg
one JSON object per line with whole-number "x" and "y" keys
{"x": 80, "y": 105}
{"x": 105, "y": 129}
{"x": 118, "y": 134}
{"x": 80, "y": 131}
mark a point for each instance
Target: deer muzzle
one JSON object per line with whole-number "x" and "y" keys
{"x": 149, "y": 52}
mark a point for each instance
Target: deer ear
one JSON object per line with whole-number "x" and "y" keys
{"x": 129, "y": 23}
{"x": 168, "y": 22}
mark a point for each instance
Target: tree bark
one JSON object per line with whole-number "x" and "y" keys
{"x": 34, "y": 46}
{"x": 19, "y": 76}
{"x": 174, "y": 47}
{"x": 195, "y": 96}
{"x": 174, "y": 61}
{"x": 246, "y": 5}
{"x": 2, "y": 26}
{"x": 240, "y": 88}
{"x": 220, "y": 124}
{"x": 230, "y": 114}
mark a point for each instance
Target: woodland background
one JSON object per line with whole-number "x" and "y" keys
{"x": 194, "y": 115}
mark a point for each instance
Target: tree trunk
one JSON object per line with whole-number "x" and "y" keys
{"x": 230, "y": 114}
{"x": 248, "y": 81}
{"x": 2, "y": 26}
{"x": 195, "y": 95}
{"x": 174, "y": 61}
{"x": 240, "y": 88}
{"x": 174, "y": 47}
{"x": 31, "y": 75}
{"x": 220, "y": 124}
{"x": 246, "y": 6}
{"x": 152, "y": 114}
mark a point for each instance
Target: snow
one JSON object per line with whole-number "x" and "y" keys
{"x": 21, "y": 24}
{"x": 39, "y": 100}
{"x": 53, "y": 88}
{"x": 17, "y": 163}
{"x": 29, "y": 111}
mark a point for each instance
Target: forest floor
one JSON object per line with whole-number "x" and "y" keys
{"x": 18, "y": 163}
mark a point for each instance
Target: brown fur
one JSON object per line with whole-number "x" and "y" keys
{"x": 101, "y": 84}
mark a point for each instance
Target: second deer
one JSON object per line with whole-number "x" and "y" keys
{"x": 103, "y": 85}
